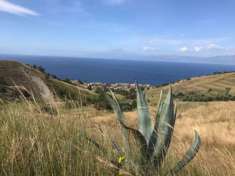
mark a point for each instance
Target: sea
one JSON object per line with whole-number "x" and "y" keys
{"x": 120, "y": 71}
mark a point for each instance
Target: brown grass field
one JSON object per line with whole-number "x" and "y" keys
{"x": 215, "y": 122}
{"x": 216, "y": 83}
{"x": 33, "y": 142}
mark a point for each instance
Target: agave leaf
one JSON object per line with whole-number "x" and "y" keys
{"x": 138, "y": 136}
{"x": 115, "y": 106}
{"x": 164, "y": 128}
{"x": 153, "y": 138}
{"x": 145, "y": 122}
{"x": 190, "y": 154}
{"x": 120, "y": 117}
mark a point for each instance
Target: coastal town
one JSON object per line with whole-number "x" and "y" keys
{"x": 113, "y": 86}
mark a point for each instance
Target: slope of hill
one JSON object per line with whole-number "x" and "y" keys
{"x": 211, "y": 87}
{"x": 217, "y": 82}
{"x": 17, "y": 79}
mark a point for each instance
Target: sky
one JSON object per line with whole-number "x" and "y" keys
{"x": 117, "y": 28}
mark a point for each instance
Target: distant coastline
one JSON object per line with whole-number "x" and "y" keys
{"x": 212, "y": 60}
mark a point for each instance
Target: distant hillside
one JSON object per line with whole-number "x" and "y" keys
{"x": 32, "y": 81}
{"x": 217, "y": 87}
{"x": 18, "y": 78}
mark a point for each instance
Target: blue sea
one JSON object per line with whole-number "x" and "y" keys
{"x": 123, "y": 71}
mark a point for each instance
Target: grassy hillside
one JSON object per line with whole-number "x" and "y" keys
{"x": 216, "y": 86}
{"x": 16, "y": 78}
{"x": 65, "y": 90}
{"x": 19, "y": 81}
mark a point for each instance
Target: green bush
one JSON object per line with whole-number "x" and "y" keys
{"x": 205, "y": 97}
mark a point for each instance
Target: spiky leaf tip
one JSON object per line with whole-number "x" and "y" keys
{"x": 145, "y": 121}
{"x": 164, "y": 128}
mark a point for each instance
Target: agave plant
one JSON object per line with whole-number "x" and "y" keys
{"x": 154, "y": 139}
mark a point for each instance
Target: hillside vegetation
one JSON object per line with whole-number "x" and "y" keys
{"x": 19, "y": 81}
{"x": 216, "y": 87}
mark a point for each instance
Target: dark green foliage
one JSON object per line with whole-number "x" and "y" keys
{"x": 67, "y": 80}
{"x": 40, "y": 68}
{"x": 66, "y": 91}
{"x": 210, "y": 95}
{"x": 128, "y": 93}
{"x": 101, "y": 102}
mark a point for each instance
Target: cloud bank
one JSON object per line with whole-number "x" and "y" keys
{"x": 11, "y": 8}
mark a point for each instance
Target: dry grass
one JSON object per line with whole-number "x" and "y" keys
{"x": 36, "y": 143}
{"x": 215, "y": 122}
{"x": 217, "y": 83}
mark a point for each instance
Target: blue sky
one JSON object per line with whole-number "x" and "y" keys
{"x": 117, "y": 28}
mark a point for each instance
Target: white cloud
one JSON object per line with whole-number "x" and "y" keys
{"x": 197, "y": 48}
{"x": 190, "y": 46}
{"x": 208, "y": 47}
{"x": 201, "y": 47}
{"x": 9, "y": 7}
{"x": 184, "y": 49}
